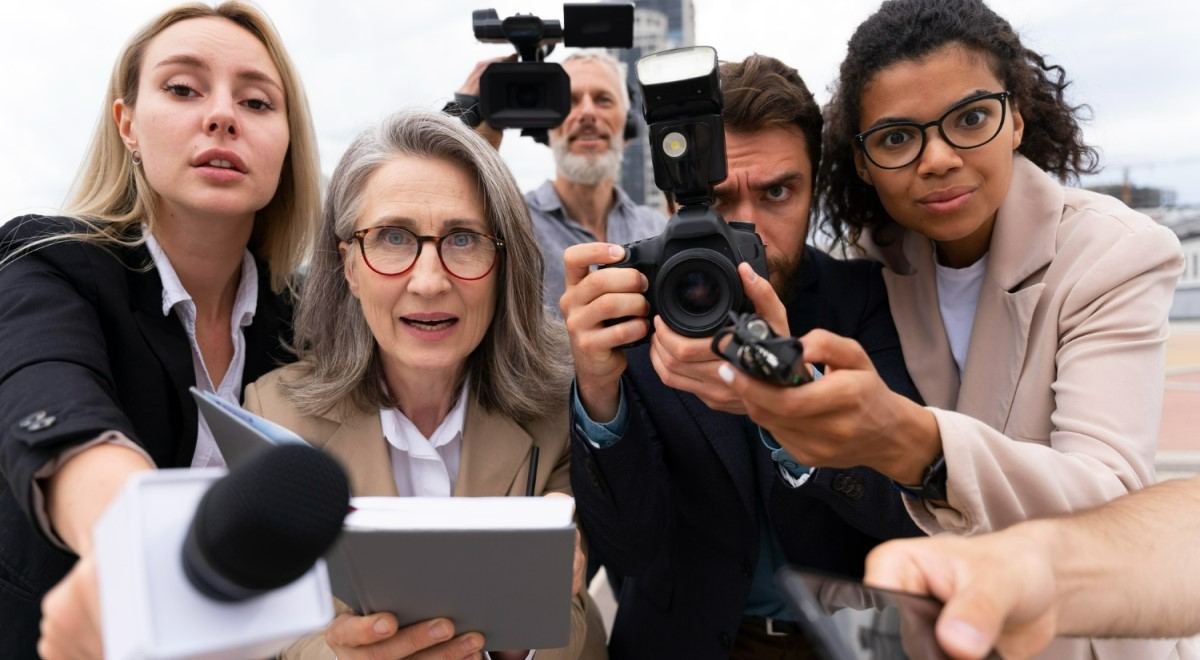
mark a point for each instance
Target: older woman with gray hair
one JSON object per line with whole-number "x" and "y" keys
{"x": 427, "y": 363}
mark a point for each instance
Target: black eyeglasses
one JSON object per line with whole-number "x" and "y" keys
{"x": 467, "y": 255}
{"x": 968, "y": 125}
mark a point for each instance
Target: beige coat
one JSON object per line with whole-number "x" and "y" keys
{"x": 495, "y": 461}
{"x": 1060, "y": 403}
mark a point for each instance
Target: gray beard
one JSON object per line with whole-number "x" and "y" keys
{"x": 587, "y": 170}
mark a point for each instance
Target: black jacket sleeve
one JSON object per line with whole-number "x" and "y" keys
{"x": 56, "y": 387}
{"x": 623, "y": 491}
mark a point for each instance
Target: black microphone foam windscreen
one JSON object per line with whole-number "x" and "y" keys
{"x": 266, "y": 523}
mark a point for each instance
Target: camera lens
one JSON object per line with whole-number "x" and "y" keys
{"x": 697, "y": 292}
{"x": 524, "y": 96}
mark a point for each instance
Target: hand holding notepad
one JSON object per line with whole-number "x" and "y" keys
{"x": 506, "y": 567}
{"x": 502, "y": 566}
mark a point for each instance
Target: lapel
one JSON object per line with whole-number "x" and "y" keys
{"x": 167, "y": 340}
{"x": 1023, "y": 245}
{"x": 359, "y": 444}
{"x": 726, "y": 434}
{"x": 495, "y": 452}
{"x": 912, "y": 297}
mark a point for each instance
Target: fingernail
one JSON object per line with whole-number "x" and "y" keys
{"x": 381, "y": 627}
{"x": 472, "y": 644}
{"x": 753, "y": 274}
{"x": 966, "y": 635}
{"x": 645, "y": 283}
{"x": 616, "y": 251}
{"x": 439, "y": 630}
{"x": 726, "y": 373}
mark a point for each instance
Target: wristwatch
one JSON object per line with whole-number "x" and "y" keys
{"x": 933, "y": 482}
{"x": 465, "y": 107}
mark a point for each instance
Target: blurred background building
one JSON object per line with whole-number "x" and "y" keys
{"x": 657, "y": 25}
{"x": 1159, "y": 204}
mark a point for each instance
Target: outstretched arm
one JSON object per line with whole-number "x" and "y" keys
{"x": 1018, "y": 588}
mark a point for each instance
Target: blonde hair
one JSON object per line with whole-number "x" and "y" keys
{"x": 111, "y": 196}
{"x": 520, "y": 367}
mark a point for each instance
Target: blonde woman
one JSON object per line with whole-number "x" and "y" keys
{"x": 168, "y": 270}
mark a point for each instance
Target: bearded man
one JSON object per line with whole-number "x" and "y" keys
{"x": 583, "y": 203}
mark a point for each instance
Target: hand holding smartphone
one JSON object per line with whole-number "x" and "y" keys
{"x": 754, "y": 348}
{"x": 888, "y": 625}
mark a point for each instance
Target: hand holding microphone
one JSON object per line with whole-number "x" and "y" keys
{"x": 266, "y": 524}
{"x": 236, "y": 579}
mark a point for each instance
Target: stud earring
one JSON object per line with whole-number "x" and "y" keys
{"x": 136, "y": 157}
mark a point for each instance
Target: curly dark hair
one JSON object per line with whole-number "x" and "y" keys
{"x": 910, "y": 29}
{"x": 762, "y": 92}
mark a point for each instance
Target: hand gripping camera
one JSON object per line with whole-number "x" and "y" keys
{"x": 692, "y": 265}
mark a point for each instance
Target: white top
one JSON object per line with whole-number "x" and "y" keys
{"x": 460, "y": 513}
{"x": 175, "y": 297}
{"x": 958, "y": 296}
{"x": 421, "y": 466}
{"x": 427, "y": 467}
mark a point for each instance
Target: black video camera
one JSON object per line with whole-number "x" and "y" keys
{"x": 692, "y": 265}
{"x": 532, "y": 94}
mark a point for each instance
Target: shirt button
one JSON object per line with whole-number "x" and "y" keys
{"x": 849, "y": 486}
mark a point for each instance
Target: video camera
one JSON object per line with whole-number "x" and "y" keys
{"x": 692, "y": 265}
{"x": 532, "y": 94}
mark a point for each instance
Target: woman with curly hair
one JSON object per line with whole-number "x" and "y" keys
{"x": 1032, "y": 315}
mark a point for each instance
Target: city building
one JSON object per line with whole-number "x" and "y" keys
{"x": 657, "y": 25}
{"x": 1138, "y": 197}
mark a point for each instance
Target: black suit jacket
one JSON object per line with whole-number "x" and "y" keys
{"x": 671, "y": 506}
{"x": 85, "y": 348}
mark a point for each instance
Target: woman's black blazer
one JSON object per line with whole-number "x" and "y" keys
{"x": 84, "y": 349}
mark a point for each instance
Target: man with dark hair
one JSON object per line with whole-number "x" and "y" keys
{"x": 676, "y": 488}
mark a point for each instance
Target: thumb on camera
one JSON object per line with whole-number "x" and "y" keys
{"x": 766, "y": 301}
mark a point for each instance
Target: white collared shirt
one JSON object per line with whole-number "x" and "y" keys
{"x": 421, "y": 466}
{"x": 175, "y": 297}
{"x": 427, "y": 467}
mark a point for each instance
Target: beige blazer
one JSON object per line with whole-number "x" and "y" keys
{"x": 1060, "y": 402}
{"x": 494, "y": 461}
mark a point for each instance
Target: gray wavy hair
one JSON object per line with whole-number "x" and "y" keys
{"x": 520, "y": 367}
{"x": 616, "y": 66}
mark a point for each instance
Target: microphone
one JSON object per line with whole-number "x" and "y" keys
{"x": 194, "y": 563}
{"x": 266, "y": 524}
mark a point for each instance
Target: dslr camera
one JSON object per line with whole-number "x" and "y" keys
{"x": 692, "y": 265}
{"x": 532, "y": 94}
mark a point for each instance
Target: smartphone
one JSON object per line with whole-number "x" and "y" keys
{"x": 844, "y": 619}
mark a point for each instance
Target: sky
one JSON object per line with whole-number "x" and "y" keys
{"x": 1136, "y": 64}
